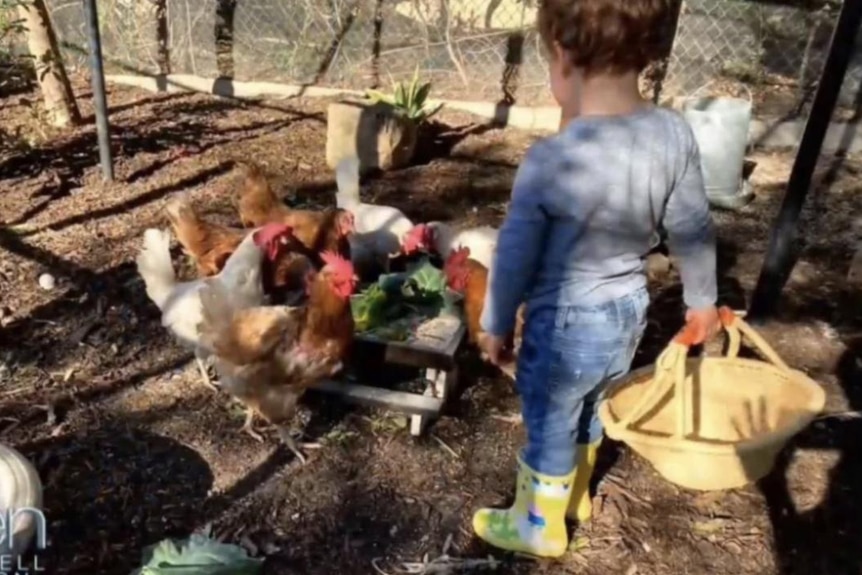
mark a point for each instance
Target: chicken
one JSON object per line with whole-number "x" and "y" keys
{"x": 442, "y": 238}
{"x": 468, "y": 277}
{"x": 378, "y": 230}
{"x": 212, "y": 244}
{"x": 268, "y": 356}
{"x": 208, "y": 243}
{"x": 328, "y": 229}
{"x": 180, "y": 302}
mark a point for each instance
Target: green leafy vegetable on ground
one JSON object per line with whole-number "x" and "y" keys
{"x": 197, "y": 555}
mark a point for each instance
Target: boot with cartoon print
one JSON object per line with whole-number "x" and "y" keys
{"x": 535, "y": 524}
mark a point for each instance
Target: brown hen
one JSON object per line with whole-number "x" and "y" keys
{"x": 268, "y": 356}
{"x": 325, "y": 230}
{"x": 211, "y": 244}
{"x": 468, "y": 277}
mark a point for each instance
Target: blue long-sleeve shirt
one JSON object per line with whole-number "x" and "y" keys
{"x": 584, "y": 207}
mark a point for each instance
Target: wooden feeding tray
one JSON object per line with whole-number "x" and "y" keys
{"x": 432, "y": 347}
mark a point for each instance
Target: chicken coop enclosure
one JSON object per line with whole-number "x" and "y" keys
{"x": 470, "y": 49}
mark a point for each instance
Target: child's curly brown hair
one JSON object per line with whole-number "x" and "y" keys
{"x": 614, "y": 36}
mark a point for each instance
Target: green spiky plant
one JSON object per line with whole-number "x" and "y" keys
{"x": 407, "y": 99}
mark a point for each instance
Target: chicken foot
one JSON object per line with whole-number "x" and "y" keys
{"x": 205, "y": 374}
{"x": 248, "y": 426}
{"x": 292, "y": 445}
{"x": 283, "y": 433}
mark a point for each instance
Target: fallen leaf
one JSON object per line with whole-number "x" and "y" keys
{"x": 709, "y": 526}
{"x": 579, "y": 543}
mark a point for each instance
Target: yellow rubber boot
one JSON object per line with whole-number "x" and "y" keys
{"x": 581, "y": 505}
{"x": 535, "y": 524}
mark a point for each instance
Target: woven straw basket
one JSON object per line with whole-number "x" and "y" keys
{"x": 715, "y": 422}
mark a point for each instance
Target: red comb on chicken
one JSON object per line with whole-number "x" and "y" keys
{"x": 316, "y": 230}
{"x": 342, "y": 278}
{"x": 419, "y": 238}
{"x": 460, "y": 255}
{"x": 340, "y": 265}
{"x": 457, "y": 270}
{"x": 271, "y": 237}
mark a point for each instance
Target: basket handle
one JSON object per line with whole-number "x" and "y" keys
{"x": 736, "y": 328}
{"x": 670, "y": 368}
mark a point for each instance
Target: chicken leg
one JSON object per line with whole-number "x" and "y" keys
{"x": 248, "y": 426}
{"x": 292, "y": 445}
{"x": 205, "y": 374}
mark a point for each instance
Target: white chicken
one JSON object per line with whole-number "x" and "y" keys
{"x": 180, "y": 302}
{"x": 444, "y": 238}
{"x": 379, "y": 230}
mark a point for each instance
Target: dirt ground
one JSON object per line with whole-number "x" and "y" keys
{"x": 132, "y": 448}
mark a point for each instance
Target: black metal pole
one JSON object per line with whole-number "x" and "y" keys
{"x": 100, "y": 102}
{"x": 781, "y": 255}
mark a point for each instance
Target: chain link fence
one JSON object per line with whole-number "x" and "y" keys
{"x": 470, "y": 49}
{"x": 773, "y": 52}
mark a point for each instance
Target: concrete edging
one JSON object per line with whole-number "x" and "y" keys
{"x": 766, "y": 133}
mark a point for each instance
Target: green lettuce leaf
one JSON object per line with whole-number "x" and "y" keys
{"x": 197, "y": 555}
{"x": 369, "y": 308}
{"x": 427, "y": 280}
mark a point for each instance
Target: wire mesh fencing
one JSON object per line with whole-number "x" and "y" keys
{"x": 469, "y": 49}
{"x": 770, "y": 52}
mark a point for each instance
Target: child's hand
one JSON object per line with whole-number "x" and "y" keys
{"x": 705, "y": 323}
{"x": 492, "y": 346}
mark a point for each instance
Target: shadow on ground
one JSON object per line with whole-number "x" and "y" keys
{"x": 825, "y": 539}
{"x": 110, "y": 491}
{"x": 102, "y": 324}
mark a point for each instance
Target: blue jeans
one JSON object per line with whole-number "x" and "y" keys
{"x": 567, "y": 356}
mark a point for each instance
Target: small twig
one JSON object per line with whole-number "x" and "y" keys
{"x": 839, "y": 415}
{"x": 618, "y": 485}
{"x": 450, "y": 49}
{"x": 15, "y": 423}
{"x": 376, "y": 568}
{"x": 513, "y": 418}
{"x": 444, "y": 446}
{"x": 446, "y": 565}
{"x": 447, "y": 544}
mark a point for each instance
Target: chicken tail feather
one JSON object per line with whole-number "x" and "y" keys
{"x": 155, "y": 266}
{"x": 179, "y": 209}
{"x": 347, "y": 180}
{"x": 254, "y": 180}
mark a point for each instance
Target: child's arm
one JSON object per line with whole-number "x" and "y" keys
{"x": 519, "y": 244}
{"x": 691, "y": 235}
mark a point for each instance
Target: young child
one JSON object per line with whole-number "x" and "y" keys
{"x": 584, "y": 208}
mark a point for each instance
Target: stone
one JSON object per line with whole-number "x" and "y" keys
{"x": 375, "y": 133}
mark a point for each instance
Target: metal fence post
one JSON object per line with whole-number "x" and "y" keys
{"x": 780, "y": 257}
{"x": 97, "y": 74}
